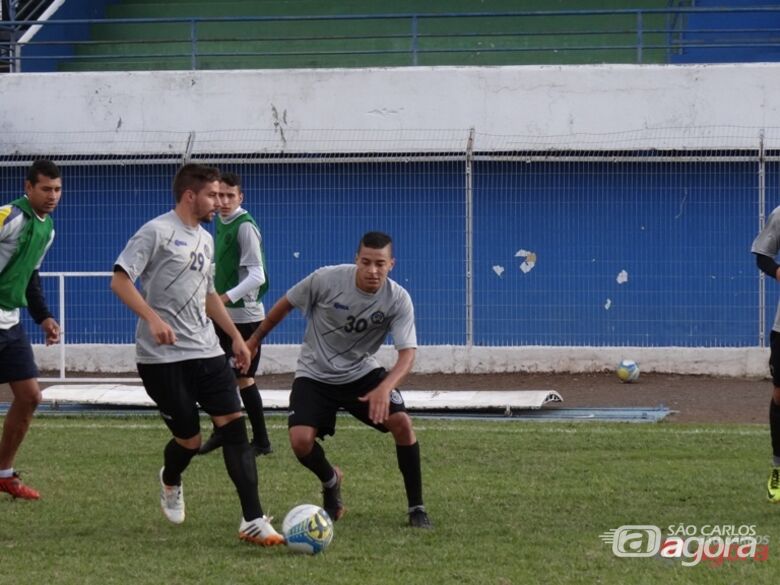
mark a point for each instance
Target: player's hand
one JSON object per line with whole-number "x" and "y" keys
{"x": 378, "y": 404}
{"x": 254, "y": 346}
{"x": 51, "y": 329}
{"x": 241, "y": 355}
{"x": 162, "y": 333}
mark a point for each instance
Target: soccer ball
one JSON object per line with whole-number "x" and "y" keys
{"x": 308, "y": 529}
{"x": 628, "y": 371}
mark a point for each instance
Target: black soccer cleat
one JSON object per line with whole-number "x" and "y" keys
{"x": 213, "y": 443}
{"x": 331, "y": 497}
{"x": 418, "y": 518}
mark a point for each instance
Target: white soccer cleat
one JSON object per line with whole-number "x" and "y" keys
{"x": 172, "y": 500}
{"x": 259, "y": 531}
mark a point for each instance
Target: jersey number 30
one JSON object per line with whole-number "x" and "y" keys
{"x": 357, "y": 325}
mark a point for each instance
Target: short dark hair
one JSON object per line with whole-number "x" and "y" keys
{"x": 376, "y": 240}
{"x": 193, "y": 176}
{"x": 231, "y": 180}
{"x": 42, "y": 167}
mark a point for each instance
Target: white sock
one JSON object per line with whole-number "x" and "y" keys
{"x": 6, "y": 473}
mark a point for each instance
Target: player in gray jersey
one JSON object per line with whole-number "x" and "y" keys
{"x": 350, "y": 309}
{"x": 766, "y": 247}
{"x": 179, "y": 358}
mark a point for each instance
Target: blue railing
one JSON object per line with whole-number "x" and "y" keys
{"x": 576, "y": 36}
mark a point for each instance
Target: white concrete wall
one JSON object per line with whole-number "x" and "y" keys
{"x": 288, "y": 110}
{"x": 280, "y": 359}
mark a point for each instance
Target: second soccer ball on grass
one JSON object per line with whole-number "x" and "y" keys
{"x": 628, "y": 371}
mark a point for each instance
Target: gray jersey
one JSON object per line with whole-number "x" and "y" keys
{"x": 173, "y": 261}
{"x": 346, "y": 326}
{"x": 767, "y": 242}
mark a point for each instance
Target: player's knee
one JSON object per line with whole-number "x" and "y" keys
{"x": 301, "y": 444}
{"x": 27, "y": 395}
{"x": 400, "y": 425}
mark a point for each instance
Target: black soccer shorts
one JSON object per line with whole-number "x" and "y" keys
{"x": 16, "y": 356}
{"x": 177, "y": 388}
{"x": 314, "y": 403}
{"x": 225, "y": 341}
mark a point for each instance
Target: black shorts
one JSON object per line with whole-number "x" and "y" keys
{"x": 245, "y": 329}
{"x": 16, "y": 356}
{"x": 177, "y": 389}
{"x": 774, "y": 357}
{"x": 314, "y": 403}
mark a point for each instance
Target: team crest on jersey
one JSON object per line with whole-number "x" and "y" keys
{"x": 396, "y": 398}
{"x": 207, "y": 251}
{"x": 377, "y": 317}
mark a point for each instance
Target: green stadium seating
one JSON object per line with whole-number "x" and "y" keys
{"x": 380, "y": 42}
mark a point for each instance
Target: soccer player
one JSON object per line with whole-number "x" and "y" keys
{"x": 350, "y": 309}
{"x": 26, "y": 233}
{"x": 241, "y": 281}
{"x": 179, "y": 358}
{"x": 765, "y": 247}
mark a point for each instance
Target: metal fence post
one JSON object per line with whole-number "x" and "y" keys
{"x": 63, "y": 333}
{"x": 469, "y": 170}
{"x": 414, "y": 40}
{"x": 193, "y": 45}
{"x": 639, "y": 37}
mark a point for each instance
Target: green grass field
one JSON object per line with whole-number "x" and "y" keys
{"x": 512, "y": 503}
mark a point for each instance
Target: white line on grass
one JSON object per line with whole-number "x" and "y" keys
{"x": 532, "y": 428}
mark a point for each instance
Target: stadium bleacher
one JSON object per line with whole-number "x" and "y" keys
{"x": 294, "y": 42}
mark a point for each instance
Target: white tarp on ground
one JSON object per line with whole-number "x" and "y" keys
{"x": 125, "y": 395}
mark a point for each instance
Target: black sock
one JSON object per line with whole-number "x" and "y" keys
{"x": 176, "y": 459}
{"x": 241, "y": 467}
{"x": 316, "y": 462}
{"x": 774, "y": 427}
{"x": 253, "y": 404}
{"x": 409, "y": 464}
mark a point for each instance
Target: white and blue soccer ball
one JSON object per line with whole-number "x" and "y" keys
{"x": 307, "y": 529}
{"x": 628, "y": 371}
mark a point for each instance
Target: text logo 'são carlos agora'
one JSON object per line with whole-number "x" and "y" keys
{"x": 712, "y": 543}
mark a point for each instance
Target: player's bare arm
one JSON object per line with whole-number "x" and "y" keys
{"x": 216, "y": 311}
{"x": 276, "y": 315}
{"x": 379, "y": 398}
{"x": 123, "y": 287}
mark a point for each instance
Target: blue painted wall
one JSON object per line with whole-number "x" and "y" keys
{"x": 740, "y": 30}
{"x": 682, "y": 232}
{"x": 50, "y": 45}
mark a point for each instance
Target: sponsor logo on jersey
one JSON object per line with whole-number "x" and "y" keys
{"x": 377, "y": 317}
{"x": 340, "y": 306}
{"x": 179, "y": 243}
{"x": 396, "y": 398}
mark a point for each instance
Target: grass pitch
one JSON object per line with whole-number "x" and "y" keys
{"x": 511, "y": 502}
